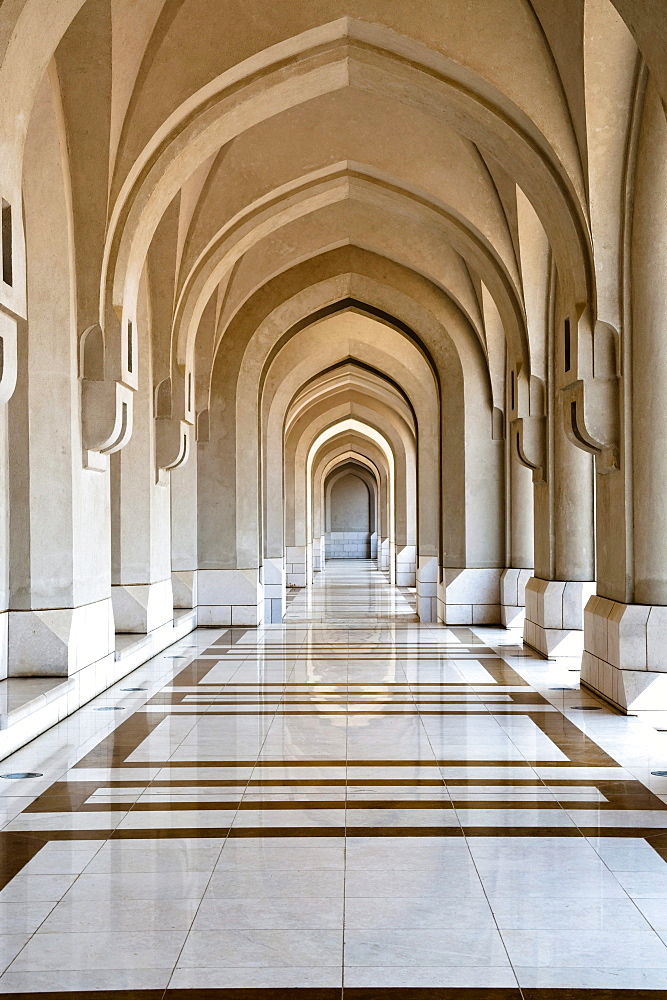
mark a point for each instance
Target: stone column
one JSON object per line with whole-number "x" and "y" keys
{"x": 184, "y": 532}
{"x": 140, "y": 511}
{"x": 626, "y": 625}
{"x": 564, "y": 576}
{"x": 520, "y": 543}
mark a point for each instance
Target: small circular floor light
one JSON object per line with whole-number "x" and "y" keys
{"x": 658, "y": 774}
{"x": 22, "y": 774}
{"x": 563, "y": 689}
{"x": 134, "y": 689}
{"x": 587, "y": 708}
{"x": 110, "y": 708}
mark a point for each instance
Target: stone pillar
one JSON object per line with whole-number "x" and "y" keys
{"x": 564, "y": 575}
{"x": 520, "y": 549}
{"x": 140, "y": 511}
{"x": 184, "y": 532}
{"x": 626, "y": 625}
{"x": 60, "y": 619}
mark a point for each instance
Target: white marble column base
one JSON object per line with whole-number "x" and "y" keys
{"x": 4, "y": 643}
{"x": 406, "y": 565}
{"x": 295, "y": 565}
{"x": 384, "y": 557}
{"x": 469, "y": 596}
{"x": 273, "y": 583}
{"x": 229, "y": 597}
{"x": 428, "y": 573}
{"x": 142, "y": 607}
{"x": 624, "y": 654}
{"x": 513, "y": 596}
{"x": 184, "y": 588}
{"x": 554, "y": 619}
{"x": 59, "y": 643}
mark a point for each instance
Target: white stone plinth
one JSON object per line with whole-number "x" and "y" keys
{"x": 554, "y": 620}
{"x": 60, "y": 642}
{"x": 229, "y": 597}
{"x": 296, "y": 561}
{"x": 406, "y": 565}
{"x": 184, "y": 588}
{"x": 142, "y": 607}
{"x": 469, "y": 596}
{"x": 273, "y": 582}
{"x": 428, "y": 573}
{"x": 513, "y": 596}
{"x": 624, "y": 656}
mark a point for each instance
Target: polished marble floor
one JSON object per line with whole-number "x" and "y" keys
{"x": 350, "y": 804}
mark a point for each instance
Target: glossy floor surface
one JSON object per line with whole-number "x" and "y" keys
{"x": 349, "y": 801}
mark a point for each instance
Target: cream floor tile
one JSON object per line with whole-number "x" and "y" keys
{"x": 255, "y": 978}
{"x": 423, "y": 948}
{"x": 100, "y": 950}
{"x": 262, "y": 948}
{"x": 595, "y": 977}
{"x": 622, "y": 949}
{"x": 519, "y": 912}
{"x": 460, "y": 977}
{"x": 292, "y": 912}
{"x": 75, "y": 916}
{"x": 76, "y": 980}
{"x": 23, "y": 917}
{"x": 139, "y": 885}
{"x": 374, "y": 913}
{"x": 275, "y": 884}
{"x": 278, "y": 858}
{"x": 36, "y": 888}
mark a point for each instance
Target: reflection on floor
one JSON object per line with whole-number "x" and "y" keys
{"x": 349, "y": 804}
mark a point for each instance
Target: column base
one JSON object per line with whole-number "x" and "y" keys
{"x": 229, "y": 597}
{"x": 184, "y": 588}
{"x": 295, "y": 565}
{"x": 427, "y": 588}
{"x": 4, "y": 643}
{"x": 273, "y": 582}
{"x": 624, "y": 657}
{"x": 142, "y": 607}
{"x": 469, "y": 596}
{"x": 406, "y": 566}
{"x": 513, "y": 596}
{"x": 554, "y": 620}
{"x": 60, "y": 642}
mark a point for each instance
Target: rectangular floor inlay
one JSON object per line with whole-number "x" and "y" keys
{"x": 349, "y": 805}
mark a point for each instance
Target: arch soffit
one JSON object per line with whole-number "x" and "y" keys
{"x": 324, "y": 59}
{"x": 403, "y": 224}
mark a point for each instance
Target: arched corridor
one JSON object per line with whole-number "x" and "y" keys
{"x": 333, "y": 354}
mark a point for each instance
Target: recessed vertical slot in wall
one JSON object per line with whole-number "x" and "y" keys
{"x": 2, "y": 357}
{"x": 512, "y": 391}
{"x": 189, "y": 391}
{"x": 567, "y": 346}
{"x": 130, "y": 353}
{"x": 6, "y": 241}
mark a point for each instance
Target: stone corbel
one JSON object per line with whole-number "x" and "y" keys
{"x": 591, "y": 402}
{"x": 106, "y": 405}
{"x": 172, "y": 435}
{"x": 529, "y": 432}
{"x": 8, "y": 356}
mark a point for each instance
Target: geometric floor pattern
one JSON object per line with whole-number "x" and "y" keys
{"x": 349, "y": 805}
